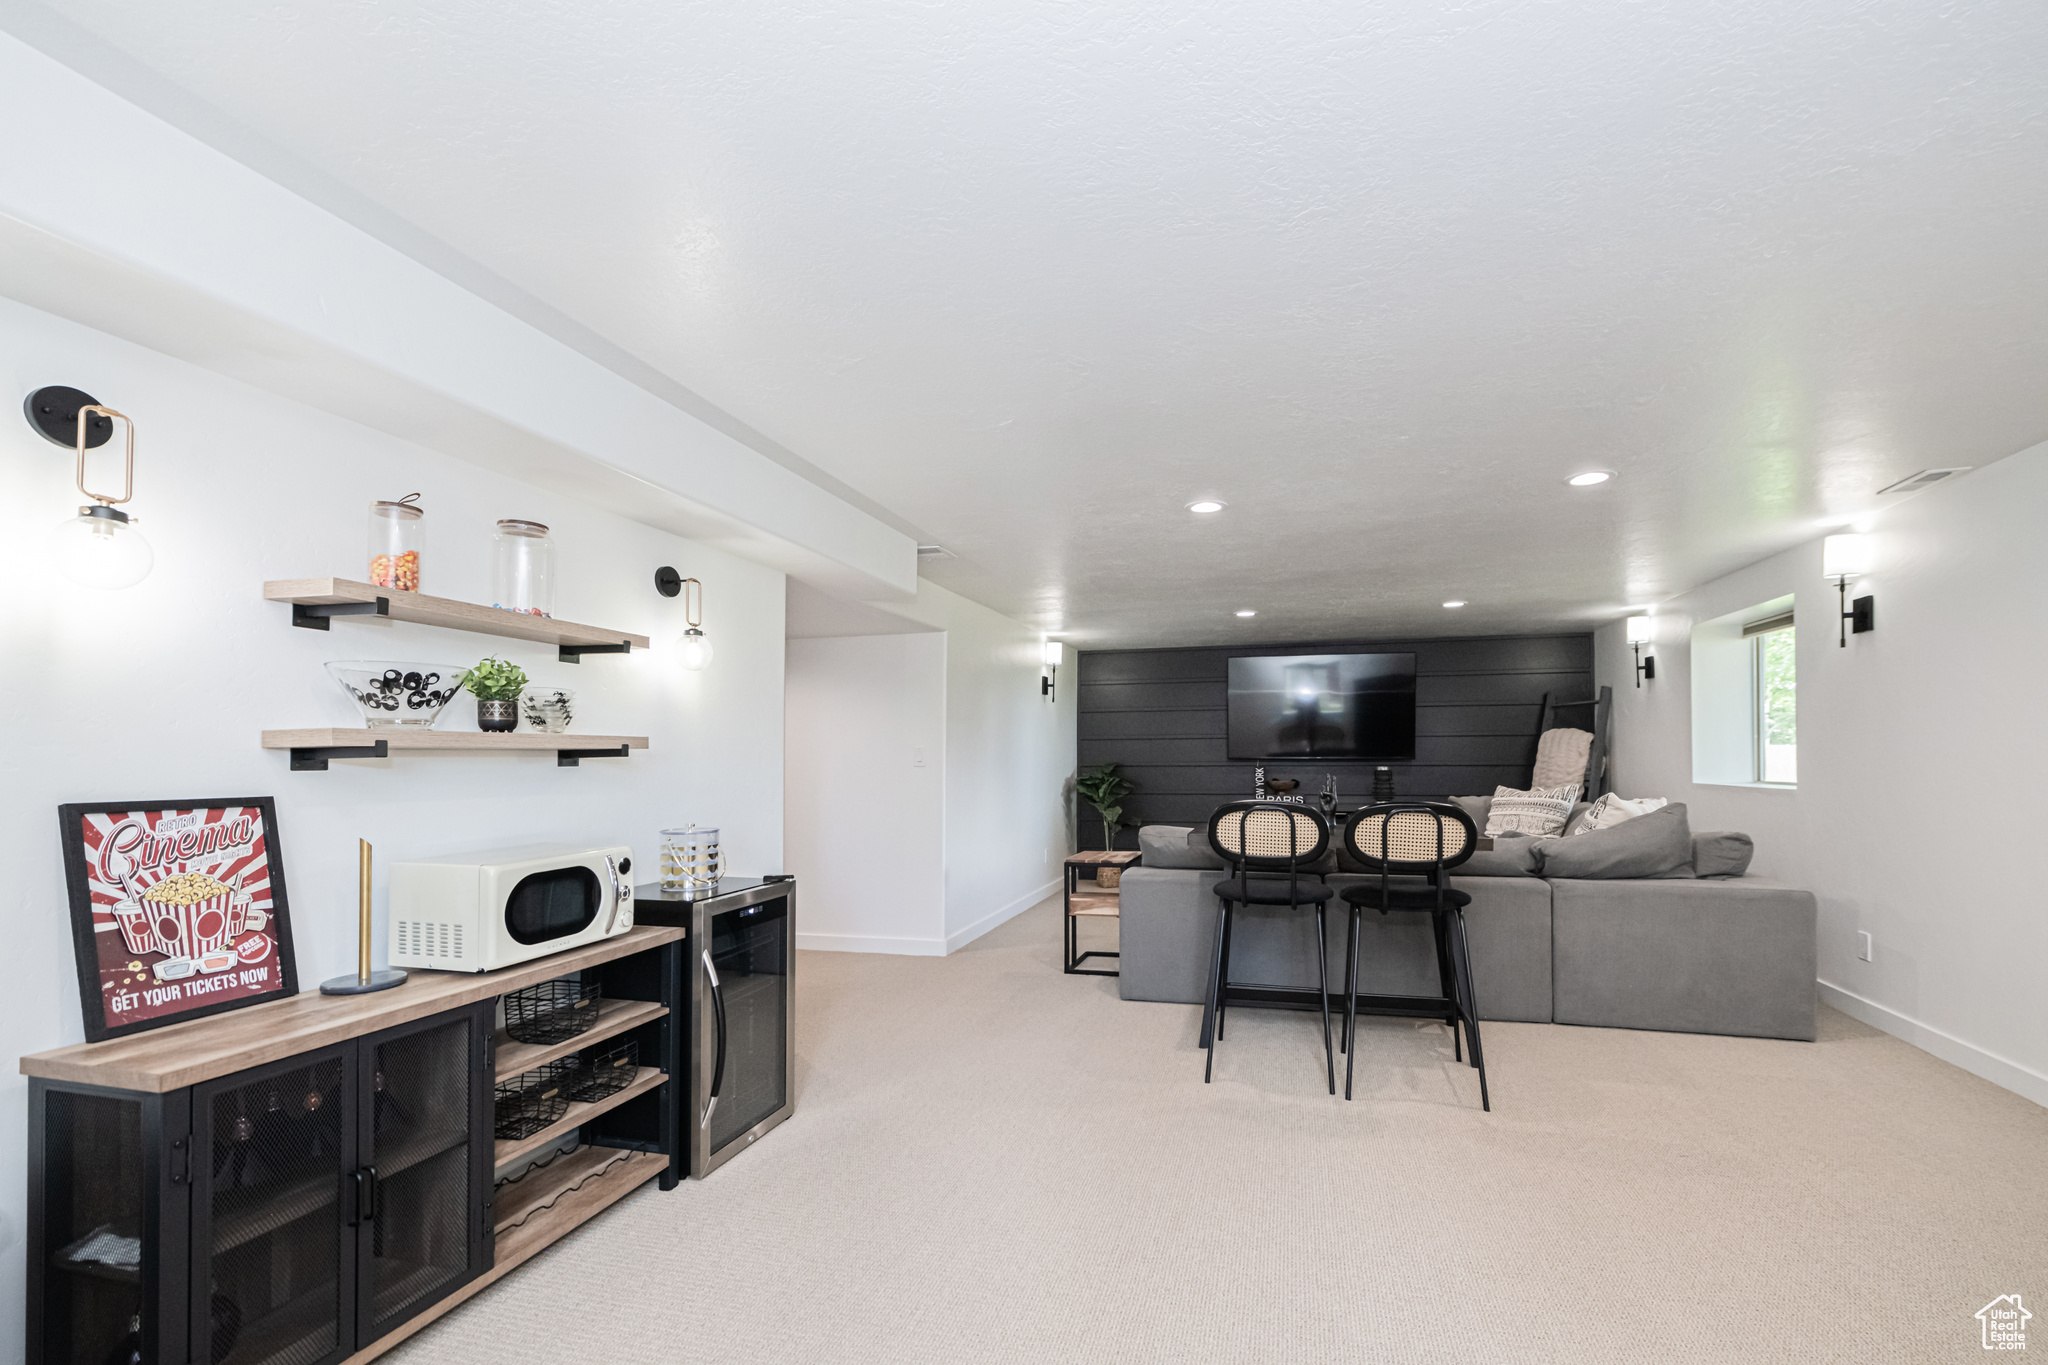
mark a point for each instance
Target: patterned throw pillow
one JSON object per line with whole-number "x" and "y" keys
{"x": 1611, "y": 810}
{"x": 1539, "y": 813}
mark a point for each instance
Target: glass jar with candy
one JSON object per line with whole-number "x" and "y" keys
{"x": 398, "y": 532}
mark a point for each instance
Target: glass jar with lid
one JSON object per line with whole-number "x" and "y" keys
{"x": 523, "y": 568}
{"x": 398, "y": 533}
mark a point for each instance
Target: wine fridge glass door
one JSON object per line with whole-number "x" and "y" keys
{"x": 744, "y": 964}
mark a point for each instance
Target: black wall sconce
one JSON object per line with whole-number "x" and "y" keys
{"x": 1055, "y": 655}
{"x": 1642, "y": 630}
{"x": 100, "y": 547}
{"x": 1843, "y": 558}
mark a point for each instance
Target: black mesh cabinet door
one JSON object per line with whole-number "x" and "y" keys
{"x": 274, "y": 1194}
{"x": 109, "y": 1196}
{"x": 424, "y": 1131}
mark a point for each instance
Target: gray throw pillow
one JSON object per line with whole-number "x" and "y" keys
{"x": 1512, "y": 855}
{"x": 1176, "y": 846}
{"x": 1655, "y": 845}
{"x": 1721, "y": 853}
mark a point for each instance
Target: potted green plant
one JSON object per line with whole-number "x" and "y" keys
{"x": 1105, "y": 788}
{"x": 496, "y": 685}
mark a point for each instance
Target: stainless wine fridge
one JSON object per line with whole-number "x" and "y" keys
{"x": 741, "y": 961}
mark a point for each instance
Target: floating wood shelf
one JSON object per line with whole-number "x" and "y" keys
{"x": 510, "y": 1150}
{"x": 312, "y": 748}
{"x": 316, "y": 601}
{"x": 613, "y": 1018}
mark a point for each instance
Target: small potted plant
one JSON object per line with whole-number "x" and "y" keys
{"x": 1105, "y": 788}
{"x": 496, "y": 685}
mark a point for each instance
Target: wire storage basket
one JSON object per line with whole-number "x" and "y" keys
{"x": 552, "y": 1012}
{"x": 532, "y": 1100}
{"x": 604, "y": 1073}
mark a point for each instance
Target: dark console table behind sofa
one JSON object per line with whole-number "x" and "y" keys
{"x": 313, "y": 1180}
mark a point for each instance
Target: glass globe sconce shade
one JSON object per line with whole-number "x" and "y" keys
{"x": 100, "y": 548}
{"x": 696, "y": 650}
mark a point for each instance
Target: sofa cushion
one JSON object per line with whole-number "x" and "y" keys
{"x": 1181, "y": 846}
{"x": 1655, "y": 845}
{"x": 1475, "y": 806}
{"x": 1723, "y": 956}
{"x": 1512, "y": 855}
{"x": 1168, "y": 936}
{"x": 1721, "y": 853}
{"x": 1540, "y": 811}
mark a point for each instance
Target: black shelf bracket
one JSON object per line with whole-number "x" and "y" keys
{"x": 569, "y": 758}
{"x": 314, "y": 760}
{"x": 571, "y": 654}
{"x": 315, "y": 615}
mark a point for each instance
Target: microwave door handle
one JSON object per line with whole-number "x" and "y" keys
{"x": 718, "y": 1010}
{"x": 611, "y": 920}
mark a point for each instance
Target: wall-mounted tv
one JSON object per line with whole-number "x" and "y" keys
{"x": 1358, "y": 706}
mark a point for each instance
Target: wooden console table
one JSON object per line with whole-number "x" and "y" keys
{"x": 1090, "y": 904}
{"x": 315, "y": 1179}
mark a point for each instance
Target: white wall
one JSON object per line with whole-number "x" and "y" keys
{"x": 865, "y": 784}
{"x": 1009, "y": 757}
{"x": 1919, "y": 746}
{"x": 114, "y": 218}
{"x": 160, "y": 690}
{"x": 1008, "y": 762}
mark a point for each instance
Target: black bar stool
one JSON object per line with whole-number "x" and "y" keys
{"x": 1416, "y": 839}
{"x": 1259, "y": 841}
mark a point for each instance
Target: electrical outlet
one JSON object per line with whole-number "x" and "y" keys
{"x": 1862, "y": 946}
{"x": 917, "y": 758}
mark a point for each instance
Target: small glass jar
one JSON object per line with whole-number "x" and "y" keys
{"x": 690, "y": 861}
{"x": 523, "y": 568}
{"x": 398, "y": 533}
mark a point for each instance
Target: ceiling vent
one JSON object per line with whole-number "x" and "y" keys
{"x": 1913, "y": 483}
{"x": 925, "y": 552}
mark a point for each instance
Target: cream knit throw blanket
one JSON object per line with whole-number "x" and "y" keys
{"x": 1561, "y": 758}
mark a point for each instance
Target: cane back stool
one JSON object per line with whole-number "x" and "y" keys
{"x": 1269, "y": 848}
{"x": 1423, "y": 839}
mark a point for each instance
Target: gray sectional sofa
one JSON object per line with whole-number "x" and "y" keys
{"x": 1676, "y": 952}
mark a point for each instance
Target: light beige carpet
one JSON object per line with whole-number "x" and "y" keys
{"x": 992, "y": 1161}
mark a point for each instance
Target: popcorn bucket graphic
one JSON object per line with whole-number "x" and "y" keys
{"x": 183, "y": 915}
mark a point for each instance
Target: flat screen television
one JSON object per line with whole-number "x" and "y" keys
{"x": 1359, "y": 706}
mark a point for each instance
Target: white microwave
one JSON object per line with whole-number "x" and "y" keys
{"x": 477, "y": 912}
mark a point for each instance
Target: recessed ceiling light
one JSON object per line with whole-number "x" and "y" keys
{"x": 1590, "y": 477}
{"x": 1247, "y": 613}
{"x": 1454, "y": 604}
{"x": 1205, "y": 506}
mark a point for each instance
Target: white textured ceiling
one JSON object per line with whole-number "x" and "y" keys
{"x": 1034, "y": 275}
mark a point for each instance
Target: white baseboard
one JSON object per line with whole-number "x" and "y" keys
{"x": 957, "y": 941}
{"x": 871, "y": 943}
{"x": 1998, "y": 1070}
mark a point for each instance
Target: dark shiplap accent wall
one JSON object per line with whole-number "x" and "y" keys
{"x": 1160, "y": 713}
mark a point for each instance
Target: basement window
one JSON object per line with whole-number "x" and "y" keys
{"x": 1745, "y": 712}
{"x": 1774, "y": 699}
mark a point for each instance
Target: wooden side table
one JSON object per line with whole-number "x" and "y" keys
{"x": 1091, "y": 904}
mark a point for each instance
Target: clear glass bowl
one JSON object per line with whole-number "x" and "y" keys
{"x": 391, "y": 694}
{"x": 550, "y": 710}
